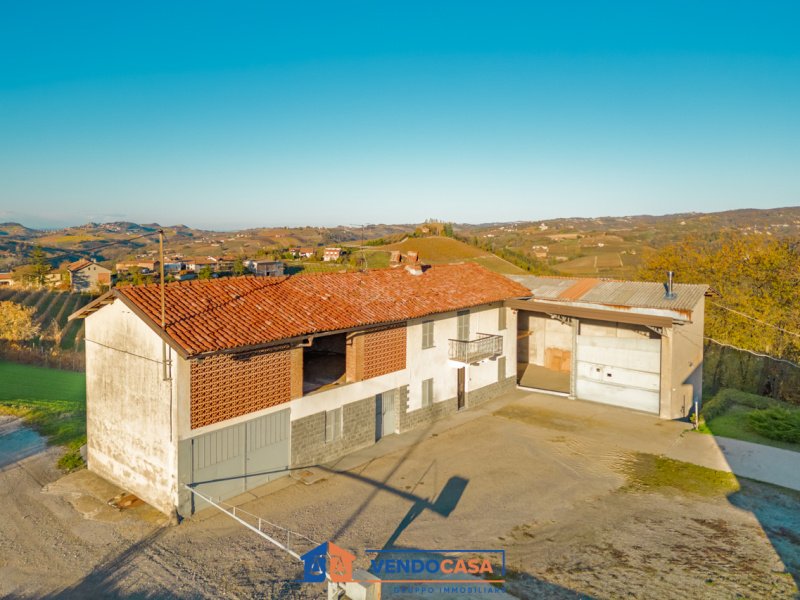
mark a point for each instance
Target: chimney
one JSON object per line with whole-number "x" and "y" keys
{"x": 668, "y": 286}
{"x": 395, "y": 258}
{"x": 414, "y": 269}
{"x": 413, "y": 256}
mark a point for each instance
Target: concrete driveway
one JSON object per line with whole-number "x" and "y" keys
{"x": 575, "y": 494}
{"x": 578, "y": 496}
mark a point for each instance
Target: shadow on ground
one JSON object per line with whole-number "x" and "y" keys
{"x": 778, "y": 512}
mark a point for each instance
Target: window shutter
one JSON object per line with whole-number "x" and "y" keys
{"x": 329, "y": 424}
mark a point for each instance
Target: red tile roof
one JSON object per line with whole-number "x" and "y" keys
{"x": 78, "y": 264}
{"x": 220, "y": 314}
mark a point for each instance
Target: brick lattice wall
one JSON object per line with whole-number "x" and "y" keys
{"x": 225, "y": 386}
{"x": 384, "y": 351}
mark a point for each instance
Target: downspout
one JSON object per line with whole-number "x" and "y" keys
{"x": 573, "y": 373}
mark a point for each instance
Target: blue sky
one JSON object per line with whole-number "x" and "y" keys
{"x": 227, "y": 115}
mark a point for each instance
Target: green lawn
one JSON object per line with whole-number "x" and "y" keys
{"x": 734, "y": 424}
{"x": 51, "y": 401}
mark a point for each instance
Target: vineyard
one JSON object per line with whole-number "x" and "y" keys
{"x": 52, "y": 310}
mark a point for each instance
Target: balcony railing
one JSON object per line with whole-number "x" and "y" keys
{"x": 472, "y": 351}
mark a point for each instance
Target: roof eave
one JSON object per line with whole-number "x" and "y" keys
{"x": 171, "y": 342}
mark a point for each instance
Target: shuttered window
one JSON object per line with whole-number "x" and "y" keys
{"x": 501, "y": 318}
{"x": 333, "y": 425}
{"x": 427, "y": 392}
{"x": 427, "y": 335}
{"x": 462, "y": 325}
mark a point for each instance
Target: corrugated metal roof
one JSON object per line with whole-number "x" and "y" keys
{"x": 638, "y": 294}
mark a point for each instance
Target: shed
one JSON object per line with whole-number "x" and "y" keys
{"x": 633, "y": 344}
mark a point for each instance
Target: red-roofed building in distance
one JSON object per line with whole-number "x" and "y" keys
{"x": 331, "y": 254}
{"x": 88, "y": 276}
{"x": 264, "y": 374}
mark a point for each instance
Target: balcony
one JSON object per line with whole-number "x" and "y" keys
{"x": 473, "y": 351}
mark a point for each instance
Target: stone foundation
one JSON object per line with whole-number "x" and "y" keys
{"x": 489, "y": 392}
{"x": 358, "y": 429}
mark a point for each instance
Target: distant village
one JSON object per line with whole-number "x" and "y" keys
{"x": 89, "y": 276}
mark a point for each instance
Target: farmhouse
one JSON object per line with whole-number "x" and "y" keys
{"x": 629, "y": 343}
{"x": 88, "y": 276}
{"x": 265, "y": 268}
{"x": 143, "y": 266}
{"x": 331, "y": 254}
{"x": 251, "y": 376}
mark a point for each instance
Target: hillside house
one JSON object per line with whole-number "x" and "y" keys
{"x": 331, "y": 254}
{"x": 265, "y": 268}
{"x": 88, "y": 276}
{"x": 633, "y": 344}
{"x": 143, "y": 266}
{"x": 217, "y": 264}
{"x": 197, "y": 263}
{"x": 6, "y": 279}
{"x": 261, "y": 375}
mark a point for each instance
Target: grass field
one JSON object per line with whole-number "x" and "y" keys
{"x": 51, "y": 401}
{"x": 734, "y": 423}
{"x": 439, "y": 250}
{"x": 728, "y": 414}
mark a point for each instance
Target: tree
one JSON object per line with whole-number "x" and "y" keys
{"x": 238, "y": 266}
{"x": 16, "y": 322}
{"x": 40, "y": 266}
{"x": 204, "y": 273}
{"x": 753, "y": 275}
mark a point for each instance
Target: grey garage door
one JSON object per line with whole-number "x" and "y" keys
{"x": 232, "y": 460}
{"x": 620, "y": 371}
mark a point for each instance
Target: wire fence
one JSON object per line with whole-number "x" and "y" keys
{"x": 728, "y": 366}
{"x": 294, "y": 543}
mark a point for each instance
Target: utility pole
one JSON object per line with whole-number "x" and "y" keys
{"x": 164, "y": 362}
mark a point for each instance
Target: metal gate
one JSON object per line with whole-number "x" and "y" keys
{"x": 384, "y": 414}
{"x": 619, "y": 371}
{"x": 235, "y": 459}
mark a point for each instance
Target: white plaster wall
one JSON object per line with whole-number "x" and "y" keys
{"x": 434, "y": 362}
{"x": 545, "y": 332}
{"x": 612, "y": 329}
{"x": 659, "y": 312}
{"x": 687, "y": 363}
{"x": 351, "y": 392}
{"x": 130, "y": 410}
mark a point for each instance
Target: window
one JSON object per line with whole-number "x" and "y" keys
{"x": 333, "y": 425}
{"x": 427, "y": 392}
{"x": 501, "y": 318}
{"x": 462, "y": 325}
{"x": 501, "y": 369}
{"x": 427, "y": 335}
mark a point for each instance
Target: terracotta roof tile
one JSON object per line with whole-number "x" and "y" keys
{"x": 78, "y": 264}
{"x": 219, "y": 314}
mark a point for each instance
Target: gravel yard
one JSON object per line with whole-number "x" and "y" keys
{"x": 582, "y": 503}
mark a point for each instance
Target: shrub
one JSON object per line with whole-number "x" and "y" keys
{"x": 727, "y": 397}
{"x": 776, "y": 423}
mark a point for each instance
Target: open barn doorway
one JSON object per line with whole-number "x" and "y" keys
{"x": 324, "y": 362}
{"x": 544, "y": 352}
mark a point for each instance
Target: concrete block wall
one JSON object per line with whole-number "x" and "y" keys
{"x": 411, "y": 419}
{"x": 491, "y": 391}
{"x": 308, "y": 434}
